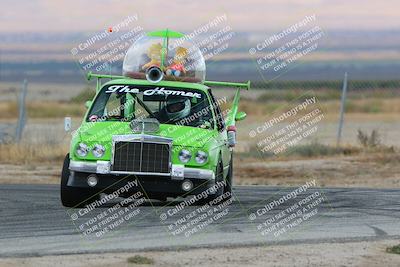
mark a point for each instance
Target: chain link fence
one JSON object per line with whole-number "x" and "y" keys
{"x": 371, "y": 110}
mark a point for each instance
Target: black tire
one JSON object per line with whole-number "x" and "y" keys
{"x": 70, "y": 196}
{"x": 219, "y": 177}
{"x": 229, "y": 179}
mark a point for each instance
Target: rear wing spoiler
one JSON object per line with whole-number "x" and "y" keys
{"x": 231, "y": 116}
{"x": 245, "y": 85}
{"x": 91, "y": 75}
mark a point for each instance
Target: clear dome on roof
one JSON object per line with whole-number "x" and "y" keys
{"x": 178, "y": 59}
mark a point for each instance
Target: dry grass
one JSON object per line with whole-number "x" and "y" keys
{"x": 32, "y": 153}
{"x": 383, "y": 157}
{"x": 394, "y": 249}
{"x": 311, "y": 150}
{"x": 372, "y": 169}
{"x": 140, "y": 260}
{"x": 43, "y": 110}
{"x": 366, "y": 105}
{"x": 367, "y": 101}
{"x": 361, "y": 106}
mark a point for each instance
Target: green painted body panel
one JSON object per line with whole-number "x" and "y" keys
{"x": 190, "y": 138}
{"x": 211, "y": 141}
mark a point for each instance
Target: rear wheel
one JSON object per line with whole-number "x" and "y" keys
{"x": 71, "y": 196}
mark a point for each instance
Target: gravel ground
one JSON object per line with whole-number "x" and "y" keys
{"x": 323, "y": 254}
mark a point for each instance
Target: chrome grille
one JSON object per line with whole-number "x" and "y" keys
{"x": 144, "y": 157}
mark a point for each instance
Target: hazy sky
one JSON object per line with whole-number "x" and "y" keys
{"x": 184, "y": 15}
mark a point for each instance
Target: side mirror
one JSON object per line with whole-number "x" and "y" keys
{"x": 67, "y": 124}
{"x": 88, "y": 103}
{"x": 240, "y": 116}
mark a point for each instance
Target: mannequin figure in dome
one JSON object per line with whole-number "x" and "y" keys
{"x": 154, "y": 53}
{"x": 177, "y": 67}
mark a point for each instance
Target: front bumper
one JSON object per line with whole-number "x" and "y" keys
{"x": 177, "y": 172}
{"x": 153, "y": 184}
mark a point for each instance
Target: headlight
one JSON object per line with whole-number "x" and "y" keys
{"x": 98, "y": 150}
{"x": 201, "y": 157}
{"x": 82, "y": 150}
{"x": 185, "y": 155}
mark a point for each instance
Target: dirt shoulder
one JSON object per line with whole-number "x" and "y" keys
{"x": 379, "y": 170}
{"x": 34, "y": 173}
{"x": 326, "y": 254}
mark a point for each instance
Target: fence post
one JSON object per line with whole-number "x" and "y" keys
{"x": 342, "y": 110}
{"x": 21, "y": 111}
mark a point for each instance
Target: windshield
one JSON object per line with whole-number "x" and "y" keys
{"x": 188, "y": 107}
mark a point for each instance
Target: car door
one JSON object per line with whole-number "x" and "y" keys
{"x": 222, "y": 136}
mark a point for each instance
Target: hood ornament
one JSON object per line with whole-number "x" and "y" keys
{"x": 147, "y": 125}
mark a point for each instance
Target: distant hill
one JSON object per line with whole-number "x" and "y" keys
{"x": 365, "y": 55}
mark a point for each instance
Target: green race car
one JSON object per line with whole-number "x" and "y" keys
{"x": 158, "y": 128}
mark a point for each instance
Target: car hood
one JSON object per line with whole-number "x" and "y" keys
{"x": 181, "y": 135}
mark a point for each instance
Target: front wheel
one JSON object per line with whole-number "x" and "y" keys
{"x": 219, "y": 178}
{"x": 70, "y": 196}
{"x": 229, "y": 179}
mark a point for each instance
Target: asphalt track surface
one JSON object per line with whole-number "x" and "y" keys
{"x": 33, "y": 222}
